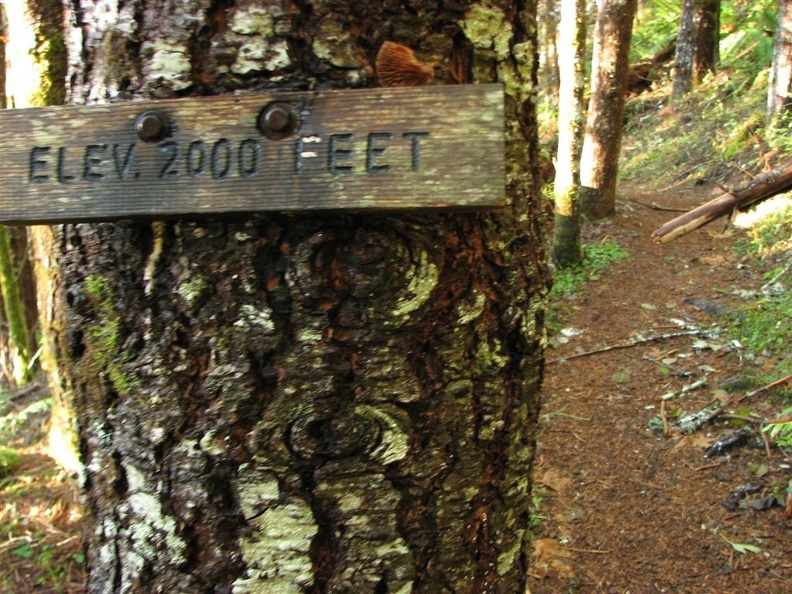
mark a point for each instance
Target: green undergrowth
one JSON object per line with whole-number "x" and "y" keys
{"x": 716, "y": 135}
{"x": 568, "y": 282}
{"x": 765, "y": 329}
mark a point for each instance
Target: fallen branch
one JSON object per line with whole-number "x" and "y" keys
{"x": 763, "y": 187}
{"x": 628, "y": 344}
{"x": 656, "y": 206}
{"x": 770, "y": 386}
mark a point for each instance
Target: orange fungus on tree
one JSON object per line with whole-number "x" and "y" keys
{"x": 397, "y": 66}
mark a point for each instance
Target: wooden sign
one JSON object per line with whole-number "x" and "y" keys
{"x": 371, "y": 149}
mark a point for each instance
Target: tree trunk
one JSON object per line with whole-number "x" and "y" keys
{"x": 602, "y": 144}
{"x": 697, "y": 45}
{"x": 36, "y": 78}
{"x": 572, "y": 37}
{"x": 549, "y": 73}
{"x": 302, "y": 403}
{"x": 707, "y": 53}
{"x": 685, "y": 51}
{"x": 18, "y": 340}
{"x": 779, "y": 95}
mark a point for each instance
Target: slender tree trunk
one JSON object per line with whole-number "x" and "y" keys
{"x": 19, "y": 344}
{"x": 685, "y": 51}
{"x": 779, "y": 95}
{"x": 290, "y": 404}
{"x": 572, "y": 37}
{"x": 36, "y": 78}
{"x": 697, "y": 45}
{"x": 605, "y": 119}
{"x": 549, "y": 68}
{"x": 707, "y": 53}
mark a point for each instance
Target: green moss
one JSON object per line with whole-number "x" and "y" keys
{"x": 9, "y": 458}
{"x": 190, "y": 290}
{"x": 50, "y": 50}
{"x": 103, "y": 338}
{"x": 423, "y": 280}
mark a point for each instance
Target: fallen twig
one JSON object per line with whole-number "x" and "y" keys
{"x": 656, "y": 206}
{"x": 706, "y": 466}
{"x": 24, "y": 391}
{"x": 664, "y": 418}
{"x": 695, "y": 421}
{"x": 592, "y": 551}
{"x": 628, "y": 344}
{"x": 766, "y": 441}
{"x": 675, "y": 369}
{"x": 770, "y": 386}
{"x": 699, "y": 383}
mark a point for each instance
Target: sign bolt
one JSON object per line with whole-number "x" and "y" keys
{"x": 152, "y": 126}
{"x": 277, "y": 121}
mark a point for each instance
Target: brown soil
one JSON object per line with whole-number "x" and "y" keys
{"x": 625, "y": 508}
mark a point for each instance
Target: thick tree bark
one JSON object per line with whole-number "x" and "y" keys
{"x": 602, "y": 143}
{"x": 779, "y": 95}
{"x": 566, "y": 189}
{"x": 291, "y": 404}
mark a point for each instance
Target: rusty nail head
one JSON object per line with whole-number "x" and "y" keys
{"x": 152, "y": 126}
{"x": 277, "y": 121}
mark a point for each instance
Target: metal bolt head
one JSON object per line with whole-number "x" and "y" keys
{"x": 152, "y": 126}
{"x": 278, "y": 120}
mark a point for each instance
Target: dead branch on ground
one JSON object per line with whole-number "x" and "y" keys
{"x": 763, "y": 187}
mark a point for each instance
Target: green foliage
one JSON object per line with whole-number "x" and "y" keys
{"x": 717, "y": 131}
{"x": 747, "y": 30}
{"x": 9, "y": 458}
{"x": 771, "y": 236}
{"x": 656, "y": 25}
{"x": 597, "y": 258}
{"x": 741, "y": 547}
{"x": 765, "y": 328}
{"x": 781, "y": 432}
{"x": 29, "y": 422}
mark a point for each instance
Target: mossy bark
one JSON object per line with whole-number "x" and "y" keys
{"x": 36, "y": 61}
{"x": 566, "y": 232}
{"x": 19, "y": 342}
{"x": 339, "y": 403}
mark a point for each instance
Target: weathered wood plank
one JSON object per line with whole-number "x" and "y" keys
{"x": 371, "y": 149}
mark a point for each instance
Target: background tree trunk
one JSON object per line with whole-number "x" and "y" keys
{"x": 685, "y": 51}
{"x": 17, "y": 340}
{"x": 707, "y": 53}
{"x": 291, "y": 404}
{"x": 549, "y": 74}
{"x": 599, "y": 163}
{"x": 697, "y": 45}
{"x": 36, "y": 78}
{"x": 572, "y": 37}
{"x": 779, "y": 95}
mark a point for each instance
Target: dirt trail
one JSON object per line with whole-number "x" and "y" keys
{"x": 626, "y": 509}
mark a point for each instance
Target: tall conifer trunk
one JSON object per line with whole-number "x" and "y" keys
{"x": 287, "y": 404}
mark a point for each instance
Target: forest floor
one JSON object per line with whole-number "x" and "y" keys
{"x": 626, "y": 506}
